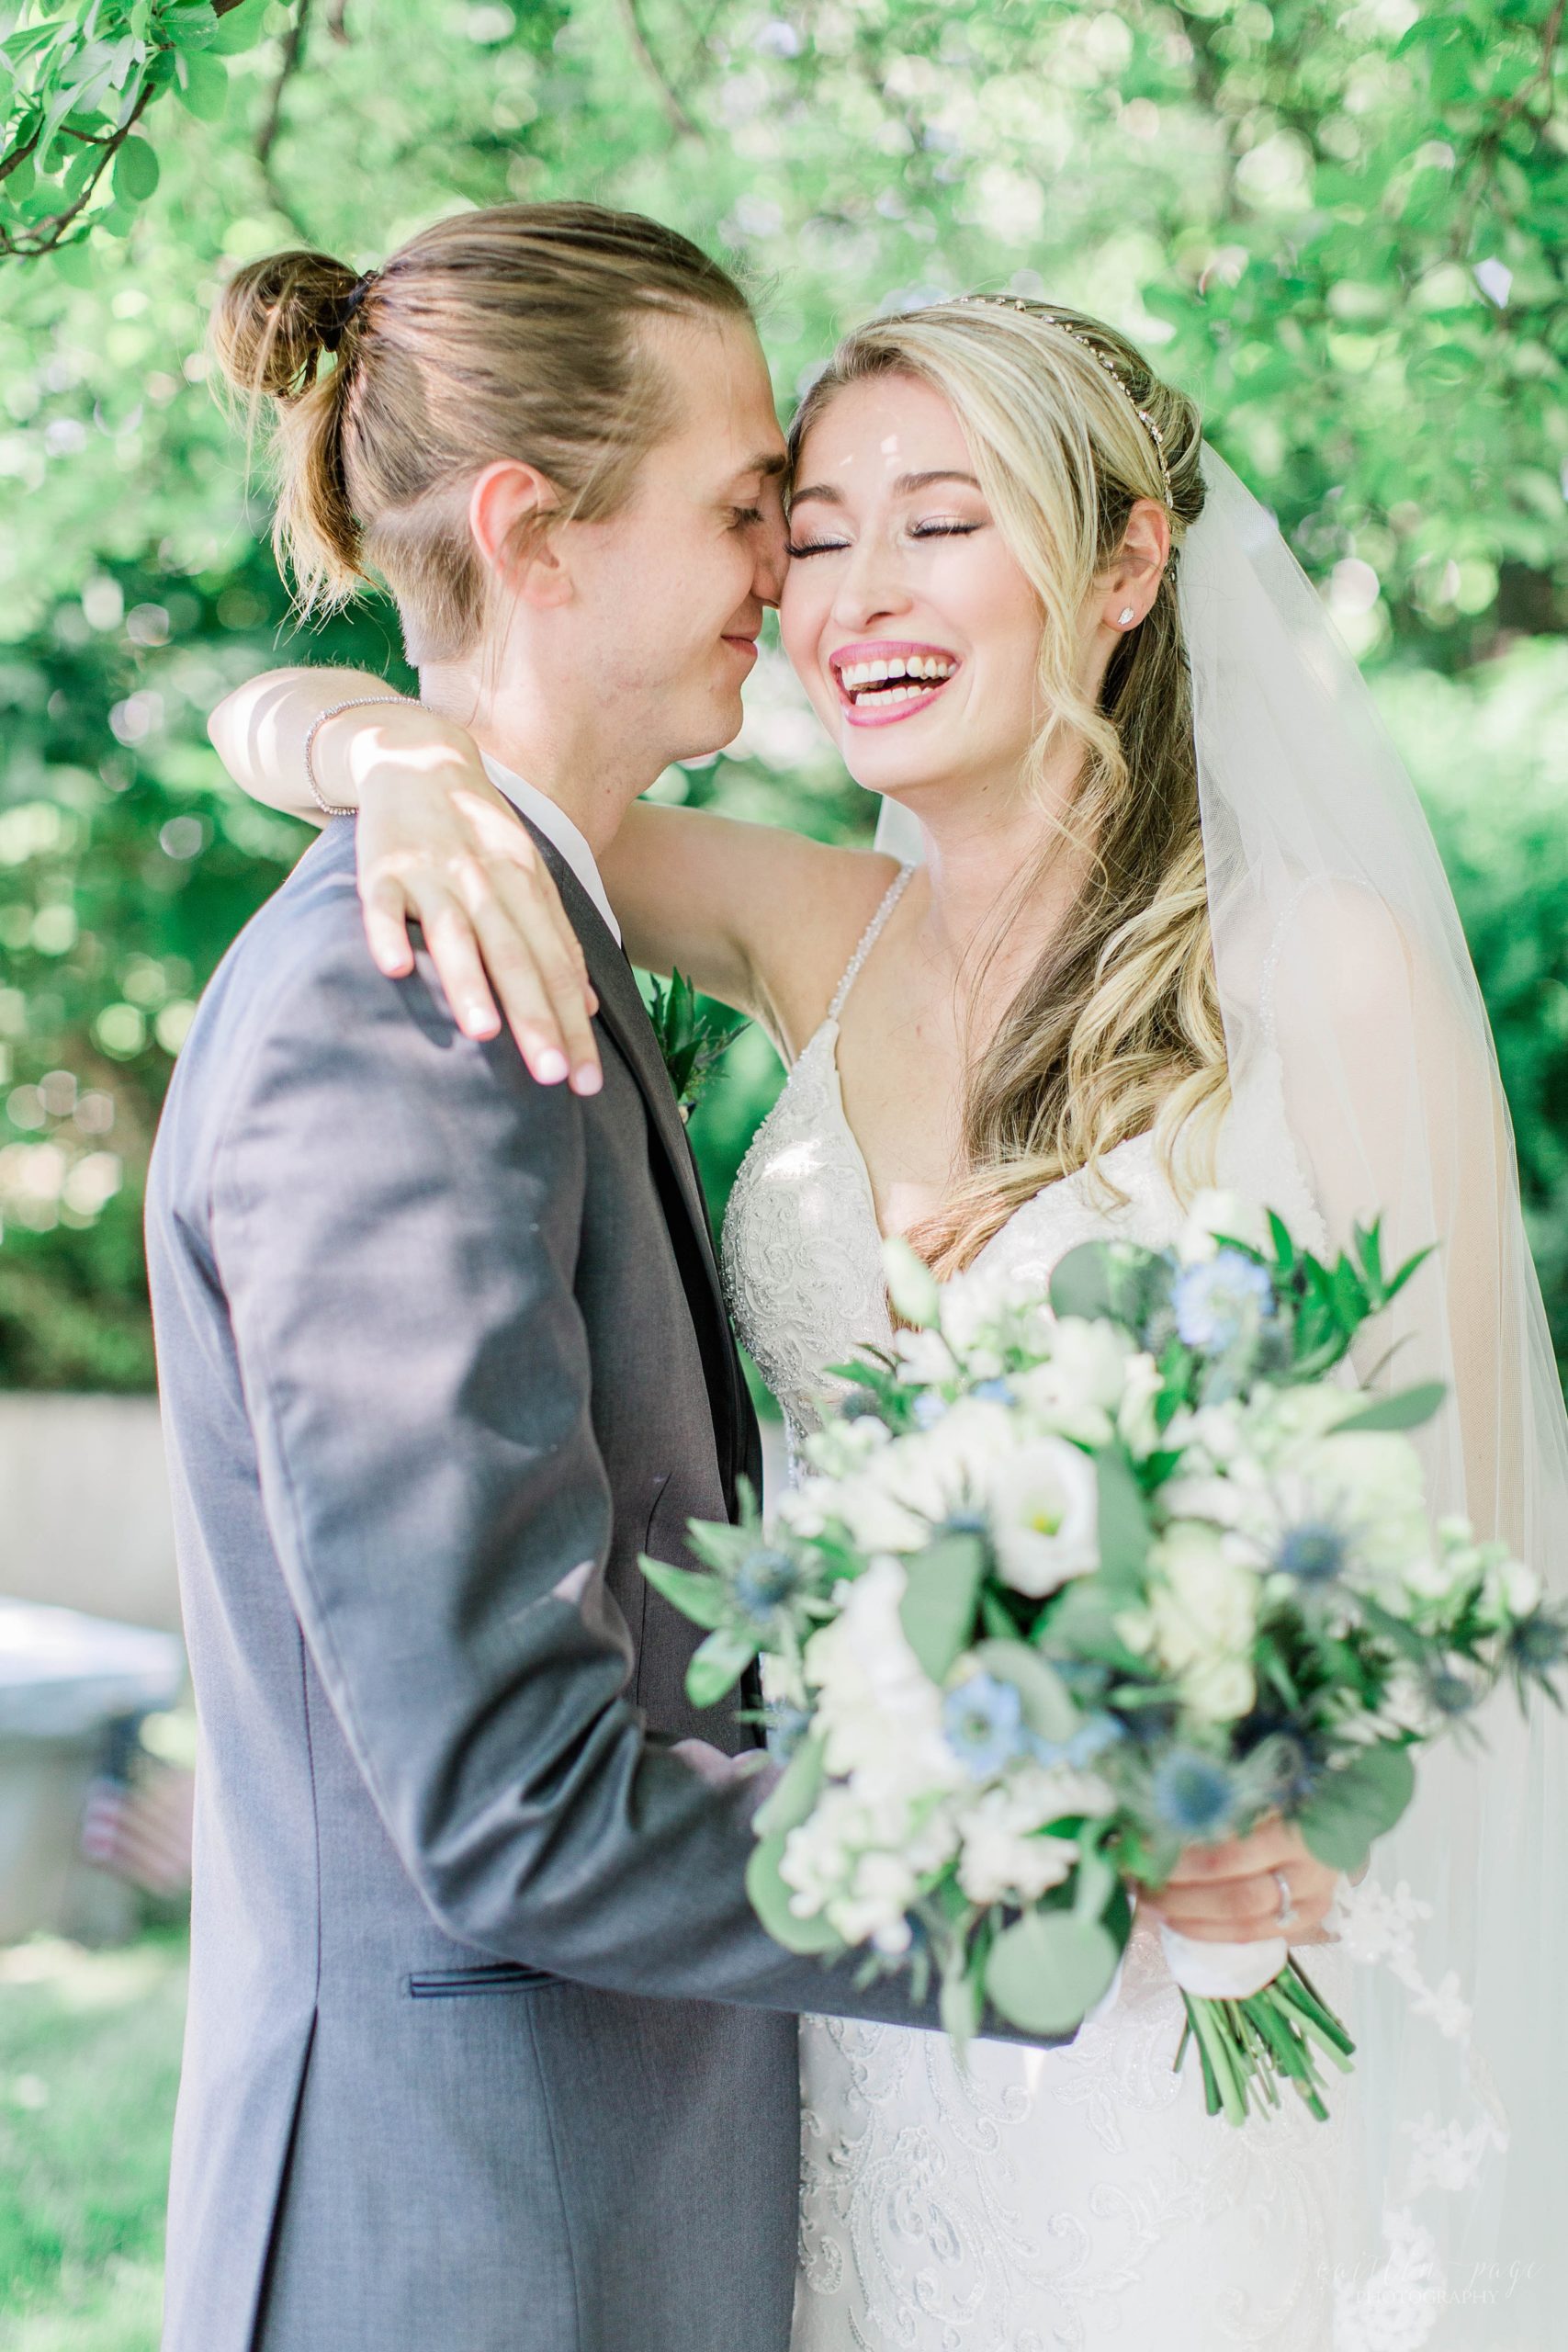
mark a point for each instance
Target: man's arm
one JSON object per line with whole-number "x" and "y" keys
{"x": 396, "y": 1222}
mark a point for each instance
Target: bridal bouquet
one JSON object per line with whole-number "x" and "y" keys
{"x": 1074, "y": 1582}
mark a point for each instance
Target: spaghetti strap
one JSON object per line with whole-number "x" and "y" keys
{"x": 869, "y": 938}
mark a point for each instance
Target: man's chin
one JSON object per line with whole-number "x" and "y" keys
{"x": 721, "y": 728}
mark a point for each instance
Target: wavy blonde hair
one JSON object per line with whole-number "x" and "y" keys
{"x": 1117, "y": 1030}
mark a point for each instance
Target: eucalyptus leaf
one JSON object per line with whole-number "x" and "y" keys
{"x": 1124, "y": 1517}
{"x": 1047, "y": 1970}
{"x": 1406, "y": 1410}
{"x": 937, "y": 1611}
{"x": 1359, "y": 1802}
{"x": 791, "y": 1801}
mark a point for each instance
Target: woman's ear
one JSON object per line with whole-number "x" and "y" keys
{"x": 1135, "y": 575}
{"x": 510, "y": 507}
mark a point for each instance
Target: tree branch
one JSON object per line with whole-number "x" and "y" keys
{"x": 670, "y": 97}
{"x": 293, "y": 58}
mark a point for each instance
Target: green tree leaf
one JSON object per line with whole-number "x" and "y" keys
{"x": 135, "y": 172}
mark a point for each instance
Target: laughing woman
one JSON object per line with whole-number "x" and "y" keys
{"x": 1168, "y": 914}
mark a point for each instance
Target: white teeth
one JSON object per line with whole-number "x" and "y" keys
{"x": 933, "y": 667}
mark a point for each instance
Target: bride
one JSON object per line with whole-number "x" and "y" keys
{"x": 1165, "y": 913}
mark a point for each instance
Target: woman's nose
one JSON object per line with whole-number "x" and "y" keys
{"x": 869, "y": 587}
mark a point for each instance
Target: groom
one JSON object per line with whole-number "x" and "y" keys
{"x": 486, "y": 2051}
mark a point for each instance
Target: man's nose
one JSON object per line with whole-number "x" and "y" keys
{"x": 772, "y": 562}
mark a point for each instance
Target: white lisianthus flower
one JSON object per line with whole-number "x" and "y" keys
{"x": 1045, "y": 1516}
{"x": 1203, "y": 1614}
{"x": 845, "y": 1444}
{"x": 972, "y": 1306}
{"x": 1214, "y": 1213}
{"x": 925, "y": 1356}
{"x": 962, "y": 1451}
{"x": 1081, "y": 1387}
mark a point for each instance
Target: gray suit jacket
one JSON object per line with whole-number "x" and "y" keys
{"x": 486, "y": 2051}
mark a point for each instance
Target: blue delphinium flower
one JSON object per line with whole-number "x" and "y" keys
{"x": 984, "y": 1722}
{"x": 994, "y": 1392}
{"x": 928, "y": 1410}
{"x": 767, "y": 1578}
{"x": 1222, "y": 1301}
{"x": 1194, "y": 1794}
{"x": 1314, "y": 1553}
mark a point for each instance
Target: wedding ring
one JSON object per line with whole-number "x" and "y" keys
{"x": 1287, "y": 1906}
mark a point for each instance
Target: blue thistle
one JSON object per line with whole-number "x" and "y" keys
{"x": 767, "y": 1580}
{"x": 1194, "y": 1794}
{"x": 1314, "y": 1553}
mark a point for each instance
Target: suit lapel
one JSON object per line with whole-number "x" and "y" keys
{"x": 625, "y": 1015}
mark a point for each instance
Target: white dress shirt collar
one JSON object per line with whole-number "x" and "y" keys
{"x": 559, "y": 831}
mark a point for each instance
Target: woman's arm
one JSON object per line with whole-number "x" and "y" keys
{"x": 757, "y": 916}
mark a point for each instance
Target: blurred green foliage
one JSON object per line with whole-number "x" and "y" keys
{"x": 1345, "y": 231}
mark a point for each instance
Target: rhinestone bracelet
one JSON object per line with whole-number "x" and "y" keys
{"x": 359, "y": 702}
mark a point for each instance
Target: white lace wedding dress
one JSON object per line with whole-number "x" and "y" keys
{"x": 1077, "y": 2197}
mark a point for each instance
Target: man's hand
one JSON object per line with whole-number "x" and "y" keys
{"x": 1228, "y": 1893}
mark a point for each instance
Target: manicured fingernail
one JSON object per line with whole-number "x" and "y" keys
{"x": 550, "y": 1068}
{"x": 588, "y": 1079}
{"x": 480, "y": 1024}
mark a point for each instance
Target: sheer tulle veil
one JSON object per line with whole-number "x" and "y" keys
{"x": 1364, "y": 1081}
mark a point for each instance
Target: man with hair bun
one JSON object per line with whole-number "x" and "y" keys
{"x": 486, "y": 2050}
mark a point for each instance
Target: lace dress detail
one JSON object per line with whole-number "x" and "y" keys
{"x": 1036, "y": 2200}
{"x": 798, "y": 1266}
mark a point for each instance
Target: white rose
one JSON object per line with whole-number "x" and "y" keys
{"x": 1218, "y": 1689}
{"x": 1203, "y": 1612}
{"x": 1044, "y": 1515}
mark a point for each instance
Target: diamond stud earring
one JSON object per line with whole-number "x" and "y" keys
{"x": 1125, "y": 616}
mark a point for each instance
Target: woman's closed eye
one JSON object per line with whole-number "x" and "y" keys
{"x": 947, "y": 529}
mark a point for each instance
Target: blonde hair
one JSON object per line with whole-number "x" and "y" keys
{"x": 507, "y": 333}
{"x": 1117, "y": 1030}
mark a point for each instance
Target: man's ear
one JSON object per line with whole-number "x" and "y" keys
{"x": 510, "y": 509}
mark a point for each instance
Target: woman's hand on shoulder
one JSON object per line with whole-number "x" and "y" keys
{"x": 440, "y": 846}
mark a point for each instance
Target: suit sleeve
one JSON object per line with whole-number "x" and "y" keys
{"x": 396, "y": 1218}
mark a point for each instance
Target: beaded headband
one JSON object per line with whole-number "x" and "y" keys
{"x": 1052, "y": 319}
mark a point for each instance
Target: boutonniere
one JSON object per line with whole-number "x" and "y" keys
{"x": 693, "y": 1037}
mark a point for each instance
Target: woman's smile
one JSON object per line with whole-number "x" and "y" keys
{"x": 881, "y": 679}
